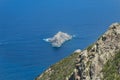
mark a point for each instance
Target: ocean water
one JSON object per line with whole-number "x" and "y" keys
{"x": 25, "y": 23}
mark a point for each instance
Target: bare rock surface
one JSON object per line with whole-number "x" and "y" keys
{"x": 58, "y": 39}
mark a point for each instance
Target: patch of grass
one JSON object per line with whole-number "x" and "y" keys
{"x": 110, "y": 70}
{"x": 90, "y": 47}
{"x": 62, "y": 69}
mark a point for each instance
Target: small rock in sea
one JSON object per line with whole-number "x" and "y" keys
{"x": 58, "y": 39}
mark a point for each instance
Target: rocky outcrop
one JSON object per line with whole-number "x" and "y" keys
{"x": 77, "y": 51}
{"x": 89, "y": 63}
{"x": 59, "y": 39}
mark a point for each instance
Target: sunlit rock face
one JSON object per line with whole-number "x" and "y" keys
{"x": 58, "y": 39}
{"x": 91, "y": 61}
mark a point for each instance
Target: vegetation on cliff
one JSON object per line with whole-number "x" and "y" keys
{"x": 60, "y": 70}
{"x": 111, "y": 70}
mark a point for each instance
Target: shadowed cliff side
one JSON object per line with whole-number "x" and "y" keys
{"x": 91, "y": 63}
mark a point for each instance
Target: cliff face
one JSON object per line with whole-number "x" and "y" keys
{"x": 89, "y": 63}
{"x": 92, "y": 60}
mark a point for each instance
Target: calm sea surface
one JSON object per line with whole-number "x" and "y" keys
{"x": 25, "y": 23}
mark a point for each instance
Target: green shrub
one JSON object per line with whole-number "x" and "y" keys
{"x": 90, "y": 47}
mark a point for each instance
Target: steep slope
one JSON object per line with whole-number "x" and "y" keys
{"x": 92, "y": 60}
{"x": 92, "y": 63}
{"x": 61, "y": 70}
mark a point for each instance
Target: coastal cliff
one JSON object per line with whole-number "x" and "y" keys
{"x": 99, "y": 61}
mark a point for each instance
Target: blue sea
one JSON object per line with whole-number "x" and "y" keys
{"x": 25, "y": 23}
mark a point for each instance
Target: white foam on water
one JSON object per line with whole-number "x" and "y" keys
{"x": 46, "y": 40}
{"x": 73, "y": 36}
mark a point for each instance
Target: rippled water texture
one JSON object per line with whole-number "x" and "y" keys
{"x": 25, "y": 23}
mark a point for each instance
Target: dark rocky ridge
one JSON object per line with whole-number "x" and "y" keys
{"x": 89, "y": 63}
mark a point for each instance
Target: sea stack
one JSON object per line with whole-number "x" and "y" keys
{"x": 58, "y": 39}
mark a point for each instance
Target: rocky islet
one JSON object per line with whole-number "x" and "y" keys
{"x": 58, "y": 39}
